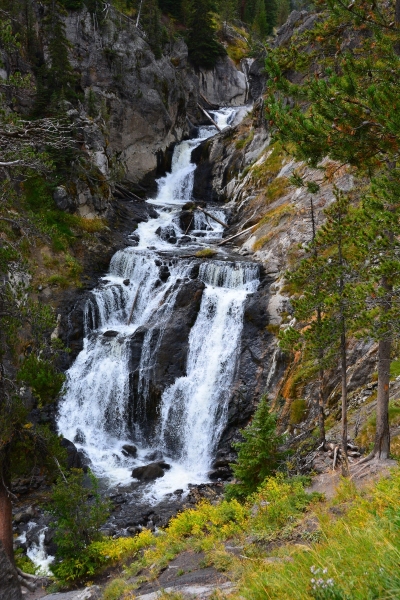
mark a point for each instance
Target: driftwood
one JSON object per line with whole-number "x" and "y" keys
{"x": 212, "y": 217}
{"x": 235, "y": 236}
{"x": 209, "y": 117}
{"x": 122, "y": 190}
{"x": 188, "y": 227}
{"x": 133, "y": 306}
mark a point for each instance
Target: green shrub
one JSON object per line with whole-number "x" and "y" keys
{"x": 258, "y": 454}
{"x": 79, "y": 511}
{"x": 43, "y": 377}
{"x": 279, "y": 502}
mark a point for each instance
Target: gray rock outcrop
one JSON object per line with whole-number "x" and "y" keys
{"x": 224, "y": 85}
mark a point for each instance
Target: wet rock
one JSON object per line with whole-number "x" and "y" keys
{"x": 164, "y": 273}
{"x": 156, "y": 455}
{"x": 167, "y": 234}
{"x": 222, "y": 473}
{"x": 171, "y": 350}
{"x": 110, "y": 334}
{"x": 126, "y": 281}
{"x": 186, "y": 220}
{"x": 74, "y": 458}
{"x": 151, "y": 471}
{"x": 129, "y": 450}
{"x": 80, "y": 437}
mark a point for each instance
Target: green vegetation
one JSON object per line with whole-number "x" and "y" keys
{"x": 338, "y": 114}
{"x": 258, "y": 453}
{"x": 79, "y": 511}
{"x": 298, "y": 411}
{"x": 204, "y": 49}
{"x": 206, "y": 253}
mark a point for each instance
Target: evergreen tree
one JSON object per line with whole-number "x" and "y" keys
{"x": 172, "y": 8}
{"x": 260, "y": 22}
{"x": 332, "y": 296}
{"x": 151, "y": 23}
{"x": 227, "y": 10}
{"x": 350, "y": 91}
{"x": 204, "y": 49}
{"x": 258, "y": 454}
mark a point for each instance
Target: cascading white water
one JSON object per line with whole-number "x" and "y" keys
{"x": 95, "y": 411}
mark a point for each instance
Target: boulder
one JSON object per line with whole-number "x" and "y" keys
{"x": 62, "y": 199}
{"x": 110, "y": 334}
{"x": 221, "y": 473}
{"x": 74, "y": 458}
{"x": 129, "y": 450}
{"x": 151, "y": 471}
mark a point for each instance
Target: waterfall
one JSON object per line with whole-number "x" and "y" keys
{"x": 137, "y": 298}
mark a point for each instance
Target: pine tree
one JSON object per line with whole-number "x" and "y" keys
{"x": 151, "y": 23}
{"x": 332, "y": 298}
{"x": 260, "y": 22}
{"x": 258, "y": 453}
{"x": 351, "y": 93}
{"x": 204, "y": 49}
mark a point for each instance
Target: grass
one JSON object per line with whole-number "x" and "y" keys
{"x": 298, "y": 411}
{"x": 243, "y": 142}
{"x": 206, "y": 253}
{"x": 294, "y": 546}
{"x": 60, "y": 226}
{"x": 357, "y": 556}
{"x": 395, "y": 368}
{"x": 264, "y": 173}
{"x": 367, "y": 433}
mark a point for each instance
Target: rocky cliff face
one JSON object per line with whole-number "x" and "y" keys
{"x": 144, "y": 102}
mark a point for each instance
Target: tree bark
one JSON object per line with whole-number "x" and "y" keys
{"x": 321, "y": 414}
{"x": 345, "y": 463}
{"x": 382, "y": 436}
{"x": 6, "y": 534}
{"x": 9, "y": 585}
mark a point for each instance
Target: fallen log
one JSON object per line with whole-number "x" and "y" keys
{"x": 212, "y": 217}
{"x": 188, "y": 227}
{"x": 235, "y": 236}
{"x": 126, "y": 192}
{"x": 209, "y": 117}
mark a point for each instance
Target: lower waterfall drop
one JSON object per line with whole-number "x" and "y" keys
{"x": 137, "y": 297}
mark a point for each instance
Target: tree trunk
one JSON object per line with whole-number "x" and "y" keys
{"x": 345, "y": 463}
{"x": 382, "y": 437}
{"x": 321, "y": 414}
{"x": 9, "y": 585}
{"x": 6, "y": 533}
